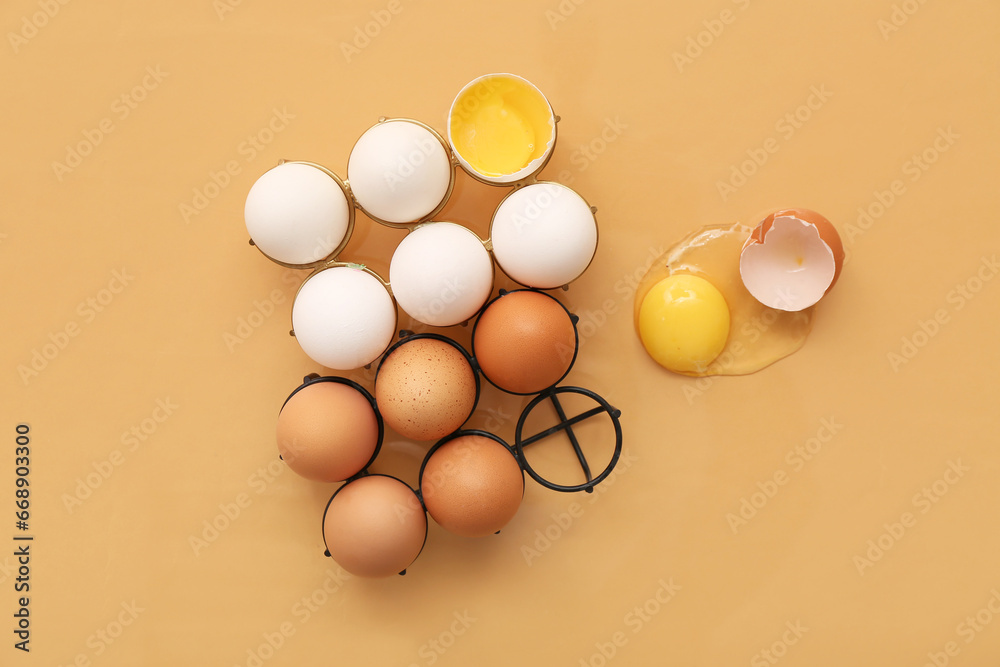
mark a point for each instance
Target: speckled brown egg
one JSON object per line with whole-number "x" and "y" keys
{"x": 375, "y": 526}
{"x": 327, "y": 431}
{"x": 524, "y": 342}
{"x": 472, "y": 485}
{"x": 425, "y": 389}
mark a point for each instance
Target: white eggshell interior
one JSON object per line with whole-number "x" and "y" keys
{"x": 544, "y": 235}
{"x": 399, "y": 171}
{"x": 793, "y": 267}
{"x": 441, "y": 274}
{"x": 296, "y": 214}
{"x": 343, "y": 318}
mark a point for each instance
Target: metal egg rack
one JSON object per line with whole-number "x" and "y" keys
{"x": 402, "y": 174}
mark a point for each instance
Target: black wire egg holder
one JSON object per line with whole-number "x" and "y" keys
{"x": 551, "y": 394}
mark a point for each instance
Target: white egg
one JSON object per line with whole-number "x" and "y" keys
{"x": 544, "y": 235}
{"x": 399, "y": 171}
{"x": 343, "y": 318}
{"x": 441, "y": 274}
{"x": 297, "y": 213}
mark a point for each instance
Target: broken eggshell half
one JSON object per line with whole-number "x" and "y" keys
{"x": 791, "y": 259}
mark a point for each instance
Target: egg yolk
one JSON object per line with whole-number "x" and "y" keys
{"x": 500, "y": 124}
{"x": 758, "y": 335}
{"x": 684, "y": 323}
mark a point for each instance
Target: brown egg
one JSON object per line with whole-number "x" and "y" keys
{"x": 375, "y": 526}
{"x": 425, "y": 389}
{"x": 524, "y": 342}
{"x": 472, "y": 485}
{"x": 327, "y": 431}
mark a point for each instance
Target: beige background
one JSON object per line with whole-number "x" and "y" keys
{"x": 663, "y": 133}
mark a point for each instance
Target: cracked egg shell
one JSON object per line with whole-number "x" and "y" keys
{"x": 791, "y": 259}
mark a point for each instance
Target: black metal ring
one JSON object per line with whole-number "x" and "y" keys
{"x": 566, "y": 424}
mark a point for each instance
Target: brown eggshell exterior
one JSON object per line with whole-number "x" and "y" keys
{"x": 827, "y": 232}
{"x": 472, "y": 486}
{"x": 524, "y": 342}
{"x": 327, "y": 431}
{"x": 425, "y": 389}
{"x": 375, "y": 527}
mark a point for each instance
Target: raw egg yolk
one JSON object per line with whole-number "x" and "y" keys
{"x": 758, "y": 335}
{"x": 500, "y": 124}
{"x": 684, "y": 323}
